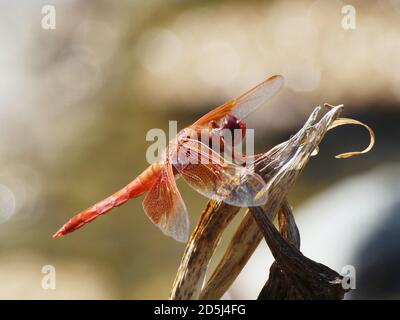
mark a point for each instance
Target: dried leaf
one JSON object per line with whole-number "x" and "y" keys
{"x": 293, "y": 275}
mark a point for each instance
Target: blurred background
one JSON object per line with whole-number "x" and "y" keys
{"x": 77, "y": 101}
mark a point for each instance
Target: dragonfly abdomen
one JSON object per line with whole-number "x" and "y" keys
{"x": 137, "y": 187}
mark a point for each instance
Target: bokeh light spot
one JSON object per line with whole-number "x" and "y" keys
{"x": 218, "y": 63}
{"x": 303, "y": 77}
{"x": 159, "y": 51}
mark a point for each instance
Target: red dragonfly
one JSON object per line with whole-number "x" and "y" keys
{"x": 214, "y": 178}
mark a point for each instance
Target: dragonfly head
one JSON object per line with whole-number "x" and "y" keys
{"x": 232, "y": 123}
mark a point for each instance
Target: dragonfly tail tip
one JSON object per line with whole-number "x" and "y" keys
{"x": 58, "y": 234}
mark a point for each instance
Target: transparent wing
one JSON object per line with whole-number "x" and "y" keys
{"x": 165, "y": 207}
{"x": 210, "y": 175}
{"x": 247, "y": 102}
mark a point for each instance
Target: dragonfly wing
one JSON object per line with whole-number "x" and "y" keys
{"x": 247, "y": 102}
{"x": 165, "y": 207}
{"x": 210, "y": 175}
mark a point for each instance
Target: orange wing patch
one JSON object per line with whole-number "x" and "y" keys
{"x": 165, "y": 207}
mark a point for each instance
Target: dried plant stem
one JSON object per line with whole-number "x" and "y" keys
{"x": 243, "y": 244}
{"x": 279, "y": 285}
{"x": 200, "y": 248}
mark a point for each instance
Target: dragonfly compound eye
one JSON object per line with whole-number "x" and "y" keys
{"x": 232, "y": 123}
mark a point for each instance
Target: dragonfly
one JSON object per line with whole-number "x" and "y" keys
{"x": 212, "y": 176}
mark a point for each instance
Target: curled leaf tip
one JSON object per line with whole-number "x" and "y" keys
{"x": 344, "y": 121}
{"x": 330, "y": 107}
